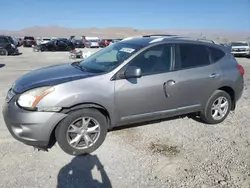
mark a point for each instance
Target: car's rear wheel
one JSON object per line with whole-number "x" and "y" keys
{"x": 217, "y": 107}
{"x": 3, "y": 52}
{"x": 82, "y": 131}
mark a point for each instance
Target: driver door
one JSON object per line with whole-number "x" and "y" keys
{"x": 151, "y": 96}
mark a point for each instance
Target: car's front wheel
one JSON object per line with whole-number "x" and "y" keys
{"x": 3, "y": 52}
{"x": 82, "y": 131}
{"x": 217, "y": 107}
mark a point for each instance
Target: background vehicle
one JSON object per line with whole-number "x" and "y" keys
{"x": 104, "y": 42}
{"x": 29, "y": 41}
{"x": 45, "y": 40}
{"x": 240, "y": 48}
{"x": 91, "y": 42}
{"x": 20, "y": 41}
{"x": 55, "y": 45}
{"x": 78, "y": 43}
{"x": 7, "y": 46}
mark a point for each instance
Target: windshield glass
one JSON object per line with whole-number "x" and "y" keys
{"x": 109, "y": 58}
{"x": 29, "y": 38}
{"x": 239, "y": 44}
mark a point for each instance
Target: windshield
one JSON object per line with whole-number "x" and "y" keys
{"x": 239, "y": 44}
{"x": 29, "y": 38}
{"x": 109, "y": 58}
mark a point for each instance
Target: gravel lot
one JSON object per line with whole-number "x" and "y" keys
{"x": 179, "y": 152}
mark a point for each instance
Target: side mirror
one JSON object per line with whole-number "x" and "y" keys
{"x": 132, "y": 72}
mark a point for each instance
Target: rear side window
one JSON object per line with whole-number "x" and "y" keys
{"x": 216, "y": 54}
{"x": 193, "y": 55}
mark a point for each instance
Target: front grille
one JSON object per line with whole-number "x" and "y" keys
{"x": 239, "y": 49}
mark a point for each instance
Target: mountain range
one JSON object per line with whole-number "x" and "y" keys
{"x": 121, "y": 32}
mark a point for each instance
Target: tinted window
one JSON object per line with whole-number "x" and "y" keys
{"x": 216, "y": 54}
{"x": 11, "y": 40}
{"x": 29, "y": 38}
{"x": 239, "y": 44}
{"x": 193, "y": 55}
{"x": 156, "y": 59}
{"x": 3, "y": 40}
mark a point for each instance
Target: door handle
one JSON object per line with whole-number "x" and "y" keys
{"x": 168, "y": 83}
{"x": 214, "y": 75}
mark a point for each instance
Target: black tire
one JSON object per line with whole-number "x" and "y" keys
{"x": 206, "y": 114}
{"x": 43, "y": 49}
{"x": 61, "y": 131}
{"x": 3, "y": 52}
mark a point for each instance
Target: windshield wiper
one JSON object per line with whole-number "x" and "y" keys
{"x": 78, "y": 66}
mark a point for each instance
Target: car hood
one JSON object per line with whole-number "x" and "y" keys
{"x": 49, "y": 76}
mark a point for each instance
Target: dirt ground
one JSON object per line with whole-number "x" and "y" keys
{"x": 178, "y": 152}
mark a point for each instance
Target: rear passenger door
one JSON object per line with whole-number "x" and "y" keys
{"x": 199, "y": 75}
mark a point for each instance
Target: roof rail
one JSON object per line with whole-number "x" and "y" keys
{"x": 207, "y": 40}
{"x": 159, "y": 35}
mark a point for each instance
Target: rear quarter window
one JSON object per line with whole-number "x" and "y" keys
{"x": 216, "y": 54}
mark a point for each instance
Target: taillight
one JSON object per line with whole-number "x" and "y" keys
{"x": 241, "y": 69}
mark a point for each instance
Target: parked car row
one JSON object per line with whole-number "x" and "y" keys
{"x": 8, "y": 45}
{"x": 59, "y": 44}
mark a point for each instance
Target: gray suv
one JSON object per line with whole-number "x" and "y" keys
{"x": 131, "y": 81}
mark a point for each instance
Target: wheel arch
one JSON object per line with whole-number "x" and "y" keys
{"x": 231, "y": 93}
{"x": 99, "y": 107}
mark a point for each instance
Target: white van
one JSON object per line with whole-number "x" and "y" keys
{"x": 92, "y": 42}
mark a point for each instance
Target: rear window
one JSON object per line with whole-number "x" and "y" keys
{"x": 216, "y": 54}
{"x": 29, "y": 38}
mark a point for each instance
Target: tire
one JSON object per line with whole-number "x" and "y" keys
{"x": 206, "y": 114}
{"x": 63, "y": 138}
{"x": 3, "y": 52}
{"x": 43, "y": 49}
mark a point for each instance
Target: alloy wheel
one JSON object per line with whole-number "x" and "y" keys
{"x": 83, "y": 132}
{"x": 219, "y": 108}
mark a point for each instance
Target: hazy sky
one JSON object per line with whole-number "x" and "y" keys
{"x": 140, "y": 14}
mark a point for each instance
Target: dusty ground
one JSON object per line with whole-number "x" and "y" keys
{"x": 175, "y": 153}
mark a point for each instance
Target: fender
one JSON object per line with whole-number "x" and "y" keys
{"x": 89, "y": 105}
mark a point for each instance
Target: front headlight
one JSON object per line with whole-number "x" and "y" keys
{"x": 13, "y": 46}
{"x": 31, "y": 98}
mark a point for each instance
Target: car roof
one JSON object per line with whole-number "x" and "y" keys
{"x": 154, "y": 39}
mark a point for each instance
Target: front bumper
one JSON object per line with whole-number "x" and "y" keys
{"x": 30, "y": 127}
